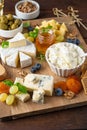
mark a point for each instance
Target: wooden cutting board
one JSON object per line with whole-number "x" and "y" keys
{"x": 53, "y": 103}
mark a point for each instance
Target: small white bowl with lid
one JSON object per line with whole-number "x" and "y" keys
{"x": 25, "y": 15}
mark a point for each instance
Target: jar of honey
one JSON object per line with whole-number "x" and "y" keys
{"x": 44, "y": 40}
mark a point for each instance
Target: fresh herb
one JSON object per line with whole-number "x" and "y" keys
{"x": 46, "y": 29}
{"x": 26, "y": 24}
{"x": 41, "y": 56}
{"x": 21, "y": 88}
{"x": 5, "y": 44}
{"x": 34, "y": 33}
{"x": 8, "y": 82}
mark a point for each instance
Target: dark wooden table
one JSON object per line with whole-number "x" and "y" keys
{"x": 73, "y": 118}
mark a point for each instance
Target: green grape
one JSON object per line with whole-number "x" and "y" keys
{"x": 30, "y": 39}
{"x": 10, "y": 99}
{"x": 3, "y": 97}
{"x": 25, "y": 35}
{"x": 13, "y": 89}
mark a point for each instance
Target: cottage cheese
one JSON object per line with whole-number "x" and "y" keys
{"x": 65, "y": 56}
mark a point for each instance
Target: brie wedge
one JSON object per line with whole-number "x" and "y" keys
{"x": 12, "y": 60}
{"x": 25, "y": 60}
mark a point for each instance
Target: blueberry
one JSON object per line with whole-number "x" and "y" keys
{"x": 30, "y": 28}
{"x": 58, "y": 91}
{"x": 74, "y": 41}
{"x": 33, "y": 69}
{"x": 77, "y": 41}
{"x": 38, "y": 66}
{"x": 69, "y": 40}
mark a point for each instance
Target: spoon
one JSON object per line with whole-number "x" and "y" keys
{"x": 82, "y": 55}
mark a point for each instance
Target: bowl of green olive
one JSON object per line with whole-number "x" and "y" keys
{"x": 10, "y": 25}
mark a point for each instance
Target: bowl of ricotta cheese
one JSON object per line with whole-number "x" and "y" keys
{"x": 64, "y": 58}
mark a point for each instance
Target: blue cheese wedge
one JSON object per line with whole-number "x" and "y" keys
{"x": 18, "y": 80}
{"x": 38, "y": 96}
{"x": 36, "y": 81}
{"x": 25, "y": 60}
{"x": 23, "y": 96}
{"x": 12, "y": 60}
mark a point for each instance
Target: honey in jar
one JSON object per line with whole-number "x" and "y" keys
{"x": 44, "y": 40}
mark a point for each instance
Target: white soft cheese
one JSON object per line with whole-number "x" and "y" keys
{"x": 12, "y": 60}
{"x": 64, "y": 56}
{"x": 36, "y": 81}
{"x": 30, "y": 50}
{"x": 18, "y": 43}
{"x": 25, "y": 60}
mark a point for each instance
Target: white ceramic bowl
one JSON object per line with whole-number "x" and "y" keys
{"x": 64, "y": 72}
{"x": 30, "y": 15}
{"x": 11, "y": 33}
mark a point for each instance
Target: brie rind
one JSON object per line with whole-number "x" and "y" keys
{"x": 12, "y": 60}
{"x": 25, "y": 60}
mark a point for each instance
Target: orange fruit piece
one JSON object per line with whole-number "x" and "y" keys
{"x": 74, "y": 85}
{"x": 61, "y": 84}
{"x": 4, "y": 88}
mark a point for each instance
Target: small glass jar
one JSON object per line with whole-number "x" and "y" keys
{"x": 44, "y": 40}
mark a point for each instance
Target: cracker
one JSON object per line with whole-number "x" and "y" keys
{"x": 84, "y": 83}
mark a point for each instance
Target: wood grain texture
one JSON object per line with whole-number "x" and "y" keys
{"x": 51, "y": 103}
{"x": 74, "y": 118}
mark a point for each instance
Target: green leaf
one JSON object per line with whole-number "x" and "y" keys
{"x": 5, "y": 44}
{"x": 41, "y": 56}
{"x": 21, "y": 88}
{"x": 26, "y": 24}
{"x": 8, "y": 82}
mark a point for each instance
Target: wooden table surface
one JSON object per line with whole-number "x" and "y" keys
{"x": 73, "y": 118}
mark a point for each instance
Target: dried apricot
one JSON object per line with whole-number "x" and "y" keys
{"x": 74, "y": 77}
{"x": 74, "y": 85}
{"x": 4, "y": 88}
{"x": 61, "y": 84}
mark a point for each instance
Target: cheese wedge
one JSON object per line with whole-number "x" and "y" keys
{"x": 30, "y": 49}
{"x": 25, "y": 60}
{"x": 23, "y": 96}
{"x": 35, "y": 81}
{"x": 18, "y": 80}
{"x": 6, "y": 52}
{"x": 12, "y": 60}
{"x": 18, "y": 43}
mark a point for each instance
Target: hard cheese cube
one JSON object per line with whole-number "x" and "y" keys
{"x": 35, "y": 81}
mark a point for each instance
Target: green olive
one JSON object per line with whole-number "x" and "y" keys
{"x": 13, "y": 26}
{"x": 3, "y": 19}
{"x": 3, "y": 26}
{"x": 10, "y": 17}
{"x": 17, "y": 21}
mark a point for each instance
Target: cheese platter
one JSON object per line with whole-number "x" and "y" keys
{"x": 51, "y": 102}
